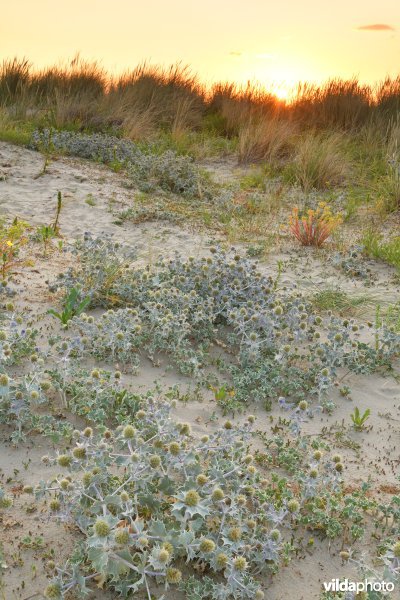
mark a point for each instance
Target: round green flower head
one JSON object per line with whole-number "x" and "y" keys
{"x": 235, "y": 534}
{"x": 259, "y": 595}
{"x": 201, "y": 479}
{"x": 313, "y": 473}
{"x": 293, "y": 506}
{"x": 338, "y": 467}
{"x": 240, "y": 563}
{"x": 303, "y": 405}
{"x": 164, "y": 556}
{"x": 64, "y": 484}
{"x": 124, "y": 496}
{"x": 228, "y": 425}
{"x": 207, "y": 545}
{"x": 217, "y": 495}
{"x": 140, "y": 414}
{"x": 317, "y": 455}
{"x": 55, "y": 505}
{"x": 121, "y": 536}
{"x": 28, "y": 489}
{"x": 344, "y": 555}
{"x": 101, "y": 528}
{"x": 4, "y": 380}
{"x": 154, "y": 461}
{"x": 337, "y": 458}
{"x": 87, "y": 478}
{"x": 192, "y": 498}
{"x": 248, "y": 459}
{"x": 53, "y": 591}
{"x": 173, "y": 576}
{"x": 222, "y": 560}
{"x": 143, "y": 542}
{"x": 275, "y": 535}
{"x": 79, "y": 452}
{"x": 64, "y": 460}
{"x": 174, "y": 448}
{"x": 88, "y": 432}
{"x": 129, "y": 432}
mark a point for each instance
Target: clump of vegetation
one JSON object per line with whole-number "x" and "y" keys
{"x": 341, "y": 303}
{"x": 374, "y": 245}
{"x": 148, "y": 170}
{"x": 353, "y": 264}
{"x": 74, "y": 305}
{"x": 267, "y": 140}
{"x": 359, "y": 419}
{"x": 319, "y": 163}
{"x": 179, "y": 308}
{"x": 13, "y": 237}
{"x": 316, "y": 226}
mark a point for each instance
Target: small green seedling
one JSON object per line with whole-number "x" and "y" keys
{"x": 359, "y": 419}
{"x": 73, "y": 307}
{"x": 45, "y": 233}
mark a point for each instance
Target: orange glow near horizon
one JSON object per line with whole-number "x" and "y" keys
{"x": 256, "y": 41}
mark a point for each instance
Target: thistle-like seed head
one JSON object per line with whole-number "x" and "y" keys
{"x": 173, "y": 576}
{"x": 101, "y": 528}
{"x": 129, "y": 432}
{"x": 207, "y": 545}
{"x": 192, "y": 498}
{"x": 240, "y": 563}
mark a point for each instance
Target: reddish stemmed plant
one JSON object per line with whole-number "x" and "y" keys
{"x": 314, "y": 227}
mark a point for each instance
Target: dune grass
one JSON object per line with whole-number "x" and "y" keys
{"x": 342, "y": 303}
{"x": 341, "y": 136}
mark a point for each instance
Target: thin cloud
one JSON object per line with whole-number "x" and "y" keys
{"x": 376, "y": 27}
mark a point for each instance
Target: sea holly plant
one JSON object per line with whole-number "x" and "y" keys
{"x": 153, "y": 504}
{"x": 141, "y": 520}
{"x": 148, "y": 170}
{"x": 181, "y": 308}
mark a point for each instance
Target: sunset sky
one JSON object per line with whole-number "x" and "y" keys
{"x": 274, "y": 43}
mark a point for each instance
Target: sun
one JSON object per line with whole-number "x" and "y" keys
{"x": 281, "y": 93}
